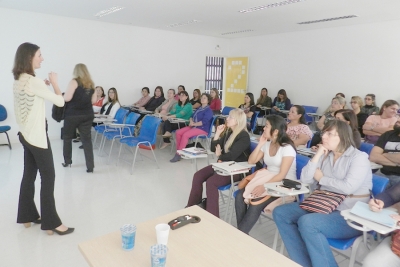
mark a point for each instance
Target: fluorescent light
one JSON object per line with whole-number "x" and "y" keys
{"x": 329, "y": 19}
{"x": 183, "y": 23}
{"x": 226, "y": 33}
{"x": 109, "y": 11}
{"x": 257, "y": 8}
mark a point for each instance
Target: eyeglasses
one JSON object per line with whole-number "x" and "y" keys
{"x": 328, "y": 133}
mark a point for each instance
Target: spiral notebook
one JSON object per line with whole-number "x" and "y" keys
{"x": 232, "y": 167}
{"x": 362, "y": 210}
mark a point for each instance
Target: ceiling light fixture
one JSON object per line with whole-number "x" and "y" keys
{"x": 108, "y": 11}
{"x": 226, "y": 33}
{"x": 325, "y": 20}
{"x": 258, "y": 8}
{"x": 183, "y": 23}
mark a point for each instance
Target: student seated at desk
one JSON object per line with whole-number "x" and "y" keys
{"x": 356, "y": 105}
{"x": 383, "y": 255}
{"x": 195, "y": 101}
{"x": 99, "y": 91}
{"x": 336, "y": 167}
{"x": 215, "y": 103}
{"x": 199, "y": 124}
{"x": 155, "y": 101}
{"x": 297, "y": 128}
{"x": 144, "y": 99}
{"x": 376, "y": 125}
{"x": 230, "y": 143}
{"x": 249, "y": 108}
{"x": 111, "y": 107}
{"x": 279, "y": 154}
{"x": 349, "y": 117}
{"x": 180, "y": 89}
{"x": 281, "y": 102}
{"x": 264, "y": 100}
{"x": 167, "y": 105}
{"x": 182, "y": 110}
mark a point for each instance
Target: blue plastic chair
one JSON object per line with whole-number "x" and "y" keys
{"x": 208, "y": 136}
{"x": 118, "y": 118}
{"x": 117, "y": 131}
{"x": 367, "y": 148}
{"x": 378, "y": 186}
{"x": 308, "y": 145}
{"x": 309, "y": 109}
{"x": 4, "y": 128}
{"x": 226, "y": 110}
{"x": 147, "y": 137}
{"x": 253, "y": 122}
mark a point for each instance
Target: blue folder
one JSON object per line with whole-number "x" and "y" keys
{"x": 362, "y": 210}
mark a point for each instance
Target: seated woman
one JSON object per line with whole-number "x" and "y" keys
{"x": 249, "y": 108}
{"x": 348, "y": 116}
{"x": 215, "y": 103}
{"x": 155, "y": 101}
{"x": 144, "y": 99}
{"x": 231, "y": 142}
{"x": 281, "y": 102}
{"x": 182, "y": 110}
{"x": 167, "y": 105}
{"x": 199, "y": 123}
{"x": 337, "y": 167}
{"x": 297, "y": 128}
{"x": 356, "y": 105}
{"x": 99, "y": 91}
{"x": 195, "y": 101}
{"x": 180, "y": 89}
{"x": 279, "y": 154}
{"x": 370, "y": 107}
{"x": 337, "y": 103}
{"x": 383, "y": 255}
{"x": 264, "y": 100}
{"x": 376, "y": 125}
{"x": 111, "y": 107}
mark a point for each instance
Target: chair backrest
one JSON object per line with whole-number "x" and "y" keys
{"x": 120, "y": 115}
{"x": 131, "y": 119}
{"x": 309, "y": 109}
{"x": 211, "y": 126}
{"x": 253, "y": 122}
{"x": 226, "y": 110}
{"x": 365, "y": 147}
{"x": 379, "y": 184}
{"x": 253, "y": 146}
{"x": 3, "y": 113}
{"x": 308, "y": 145}
{"x": 149, "y": 129}
{"x": 301, "y": 161}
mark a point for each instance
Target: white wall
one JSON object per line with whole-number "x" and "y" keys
{"x": 125, "y": 57}
{"x": 314, "y": 65}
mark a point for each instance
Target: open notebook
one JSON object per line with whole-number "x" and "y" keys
{"x": 232, "y": 167}
{"x": 362, "y": 210}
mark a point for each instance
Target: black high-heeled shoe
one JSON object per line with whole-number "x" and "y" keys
{"x": 89, "y": 171}
{"x": 66, "y": 232}
{"x": 66, "y": 164}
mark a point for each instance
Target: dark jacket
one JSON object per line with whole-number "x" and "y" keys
{"x": 239, "y": 150}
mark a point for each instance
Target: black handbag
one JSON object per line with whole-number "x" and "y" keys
{"x": 57, "y": 113}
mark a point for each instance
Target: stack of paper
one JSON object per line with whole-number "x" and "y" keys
{"x": 362, "y": 210}
{"x": 194, "y": 151}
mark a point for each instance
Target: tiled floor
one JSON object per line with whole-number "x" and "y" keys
{"x": 95, "y": 204}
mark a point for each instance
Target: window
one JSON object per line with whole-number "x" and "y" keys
{"x": 214, "y": 72}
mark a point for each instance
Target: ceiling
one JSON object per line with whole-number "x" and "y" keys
{"x": 219, "y": 16}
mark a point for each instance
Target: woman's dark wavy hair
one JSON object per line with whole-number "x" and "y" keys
{"x": 23, "y": 60}
{"x": 251, "y": 96}
{"x": 161, "y": 89}
{"x": 301, "y": 111}
{"x": 183, "y": 87}
{"x": 208, "y": 97}
{"x": 147, "y": 89}
{"x": 350, "y": 116}
{"x": 187, "y": 99}
{"x": 102, "y": 90}
{"x": 279, "y": 123}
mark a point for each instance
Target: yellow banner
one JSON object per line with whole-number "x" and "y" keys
{"x": 235, "y": 87}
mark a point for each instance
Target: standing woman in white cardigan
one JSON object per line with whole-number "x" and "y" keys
{"x": 30, "y": 94}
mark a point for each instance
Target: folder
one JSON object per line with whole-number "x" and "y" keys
{"x": 362, "y": 210}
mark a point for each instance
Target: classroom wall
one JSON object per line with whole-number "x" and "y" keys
{"x": 315, "y": 65}
{"x": 121, "y": 56}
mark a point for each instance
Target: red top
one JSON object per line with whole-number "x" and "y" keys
{"x": 215, "y": 104}
{"x": 99, "y": 102}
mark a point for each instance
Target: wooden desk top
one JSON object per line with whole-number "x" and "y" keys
{"x": 211, "y": 242}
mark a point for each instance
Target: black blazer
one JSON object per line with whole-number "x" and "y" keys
{"x": 239, "y": 150}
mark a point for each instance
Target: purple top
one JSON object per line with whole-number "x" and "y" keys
{"x": 205, "y": 115}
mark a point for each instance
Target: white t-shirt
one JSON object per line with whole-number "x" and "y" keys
{"x": 274, "y": 163}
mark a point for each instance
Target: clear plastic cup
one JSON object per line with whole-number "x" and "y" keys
{"x": 128, "y": 234}
{"x": 158, "y": 255}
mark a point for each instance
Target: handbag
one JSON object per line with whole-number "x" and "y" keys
{"x": 395, "y": 245}
{"x": 322, "y": 201}
{"x": 57, "y": 113}
{"x": 260, "y": 177}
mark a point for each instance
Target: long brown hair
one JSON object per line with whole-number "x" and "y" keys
{"x": 82, "y": 76}
{"x": 115, "y": 95}
{"x": 23, "y": 60}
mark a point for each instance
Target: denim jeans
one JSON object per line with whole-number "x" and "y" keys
{"x": 305, "y": 234}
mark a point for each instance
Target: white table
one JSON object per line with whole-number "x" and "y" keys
{"x": 186, "y": 155}
{"x": 211, "y": 242}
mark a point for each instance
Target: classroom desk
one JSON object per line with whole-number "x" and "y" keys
{"x": 211, "y": 242}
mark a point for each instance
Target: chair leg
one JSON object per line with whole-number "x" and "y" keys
{"x": 9, "y": 143}
{"x": 354, "y": 249}
{"x": 109, "y": 154}
{"x": 275, "y": 239}
{"x": 154, "y": 155}
{"x": 119, "y": 154}
{"x": 229, "y": 203}
{"x": 134, "y": 158}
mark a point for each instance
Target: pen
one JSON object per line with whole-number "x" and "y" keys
{"x": 231, "y": 164}
{"x": 372, "y": 195}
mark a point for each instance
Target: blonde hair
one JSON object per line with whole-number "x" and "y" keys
{"x": 341, "y": 101}
{"x": 240, "y": 117}
{"x": 358, "y": 100}
{"x": 82, "y": 76}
